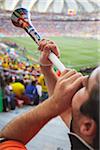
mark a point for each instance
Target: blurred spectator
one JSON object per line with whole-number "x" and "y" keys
{"x": 26, "y": 80}
{"x": 9, "y": 97}
{"x": 5, "y": 64}
{"x": 32, "y": 93}
{"x": 18, "y": 89}
{"x": 41, "y": 81}
{"x": 39, "y": 89}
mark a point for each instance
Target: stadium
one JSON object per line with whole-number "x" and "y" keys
{"x": 59, "y": 20}
{"x": 73, "y": 24}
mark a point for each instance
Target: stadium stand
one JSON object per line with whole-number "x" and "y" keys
{"x": 52, "y": 6}
{"x": 54, "y": 27}
{"x": 53, "y": 18}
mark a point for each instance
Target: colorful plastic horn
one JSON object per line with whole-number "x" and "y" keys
{"x": 21, "y": 18}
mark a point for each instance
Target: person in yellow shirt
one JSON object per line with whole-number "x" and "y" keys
{"x": 18, "y": 88}
{"x": 41, "y": 81}
{"x": 5, "y": 64}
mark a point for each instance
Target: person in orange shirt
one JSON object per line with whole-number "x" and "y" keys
{"x": 12, "y": 145}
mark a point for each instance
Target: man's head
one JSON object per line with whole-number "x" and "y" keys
{"x": 85, "y": 109}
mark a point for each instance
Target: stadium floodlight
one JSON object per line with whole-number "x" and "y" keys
{"x": 21, "y": 18}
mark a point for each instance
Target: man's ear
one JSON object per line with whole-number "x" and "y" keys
{"x": 88, "y": 127}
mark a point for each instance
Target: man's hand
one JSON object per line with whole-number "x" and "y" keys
{"x": 66, "y": 86}
{"x": 46, "y": 46}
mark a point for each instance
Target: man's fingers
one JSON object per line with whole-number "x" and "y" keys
{"x": 42, "y": 43}
{"x": 77, "y": 84}
{"x": 67, "y": 73}
{"x": 74, "y": 77}
{"x": 48, "y": 46}
{"x": 50, "y": 42}
{"x": 53, "y": 48}
{"x": 84, "y": 81}
{"x": 45, "y": 54}
{"x": 69, "y": 82}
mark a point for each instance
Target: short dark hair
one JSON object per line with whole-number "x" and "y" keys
{"x": 91, "y": 109}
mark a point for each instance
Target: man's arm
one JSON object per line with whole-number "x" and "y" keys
{"x": 50, "y": 76}
{"x": 51, "y": 79}
{"x": 46, "y": 65}
{"x": 26, "y": 126}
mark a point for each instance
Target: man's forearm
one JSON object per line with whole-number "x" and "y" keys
{"x": 50, "y": 78}
{"x": 26, "y": 126}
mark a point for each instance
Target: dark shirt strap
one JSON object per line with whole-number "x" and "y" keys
{"x": 77, "y": 143}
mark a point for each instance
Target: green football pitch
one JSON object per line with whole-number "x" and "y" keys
{"x": 75, "y": 52}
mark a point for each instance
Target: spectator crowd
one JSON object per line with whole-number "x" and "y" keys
{"x": 21, "y": 83}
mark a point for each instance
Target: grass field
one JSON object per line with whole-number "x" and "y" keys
{"x": 75, "y": 52}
